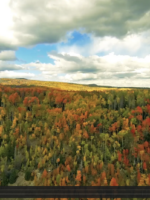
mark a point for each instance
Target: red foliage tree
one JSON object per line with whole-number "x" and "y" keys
{"x": 44, "y": 173}
{"x": 119, "y": 156}
{"x": 25, "y": 102}
{"x": 144, "y": 166}
{"x": 113, "y": 182}
{"x": 139, "y": 109}
{"x": 138, "y": 176}
{"x": 133, "y": 132}
{"x": 146, "y": 144}
{"x": 14, "y": 98}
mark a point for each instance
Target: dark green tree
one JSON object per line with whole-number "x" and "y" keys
{"x": 13, "y": 176}
{"x": 28, "y": 175}
{"x": 4, "y": 179}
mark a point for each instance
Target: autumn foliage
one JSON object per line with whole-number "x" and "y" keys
{"x": 77, "y": 138}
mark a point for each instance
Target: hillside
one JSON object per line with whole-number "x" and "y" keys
{"x": 59, "y": 85}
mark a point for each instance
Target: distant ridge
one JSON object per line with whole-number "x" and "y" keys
{"x": 93, "y": 85}
{"x": 22, "y": 78}
{"x": 105, "y": 86}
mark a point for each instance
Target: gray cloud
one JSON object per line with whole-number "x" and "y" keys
{"x": 124, "y": 75}
{"x": 7, "y": 56}
{"x": 34, "y": 22}
{"x": 8, "y": 66}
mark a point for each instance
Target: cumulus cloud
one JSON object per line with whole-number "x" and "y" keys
{"x": 118, "y": 29}
{"x": 133, "y": 45}
{"x": 32, "y": 22}
{"x": 99, "y": 70}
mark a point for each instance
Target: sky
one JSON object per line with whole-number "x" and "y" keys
{"x": 103, "y": 42}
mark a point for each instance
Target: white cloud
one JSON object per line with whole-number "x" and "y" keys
{"x": 12, "y": 74}
{"x": 133, "y": 45}
{"x": 117, "y": 69}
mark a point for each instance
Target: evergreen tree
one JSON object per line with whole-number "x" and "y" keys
{"x": 13, "y": 176}
{"x": 4, "y": 179}
{"x": 28, "y": 175}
